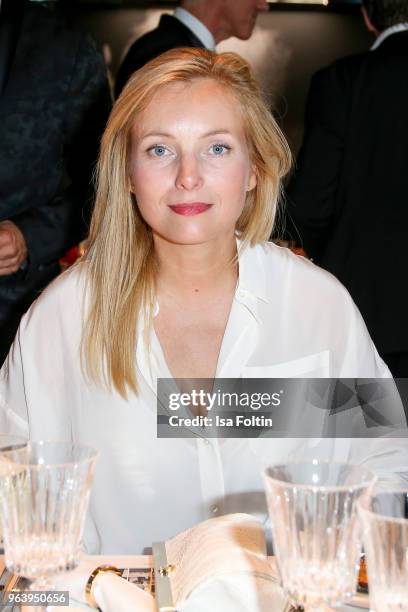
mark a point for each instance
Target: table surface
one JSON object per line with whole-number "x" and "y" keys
{"x": 144, "y": 561}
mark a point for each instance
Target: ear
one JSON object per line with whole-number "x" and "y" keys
{"x": 252, "y": 180}
{"x": 130, "y": 186}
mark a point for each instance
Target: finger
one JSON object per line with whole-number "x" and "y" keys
{"x": 19, "y": 255}
{"x": 9, "y": 251}
{"x": 5, "y": 238}
{"x": 8, "y": 262}
{"x": 4, "y": 271}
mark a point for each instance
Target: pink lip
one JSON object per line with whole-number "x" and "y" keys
{"x": 188, "y": 210}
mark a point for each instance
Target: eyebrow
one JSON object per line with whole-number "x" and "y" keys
{"x": 167, "y": 135}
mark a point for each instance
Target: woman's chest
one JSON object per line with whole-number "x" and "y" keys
{"x": 190, "y": 342}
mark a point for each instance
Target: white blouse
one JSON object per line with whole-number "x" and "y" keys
{"x": 289, "y": 318}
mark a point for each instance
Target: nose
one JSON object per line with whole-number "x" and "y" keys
{"x": 188, "y": 173}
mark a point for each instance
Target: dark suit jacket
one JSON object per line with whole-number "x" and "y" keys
{"x": 53, "y": 106}
{"x": 169, "y": 34}
{"x": 349, "y": 195}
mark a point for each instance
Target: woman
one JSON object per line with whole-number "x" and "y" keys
{"x": 177, "y": 281}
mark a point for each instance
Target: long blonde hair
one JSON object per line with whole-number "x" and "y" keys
{"x": 119, "y": 256}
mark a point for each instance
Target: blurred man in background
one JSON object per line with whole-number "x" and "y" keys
{"x": 196, "y": 23}
{"x": 349, "y": 195}
{"x": 54, "y": 102}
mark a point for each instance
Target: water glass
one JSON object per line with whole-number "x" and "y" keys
{"x": 44, "y": 493}
{"x": 384, "y": 518}
{"x": 315, "y": 529}
{"x": 8, "y": 442}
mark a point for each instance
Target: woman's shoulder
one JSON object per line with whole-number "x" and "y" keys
{"x": 315, "y": 312}
{"x": 293, "y": 272}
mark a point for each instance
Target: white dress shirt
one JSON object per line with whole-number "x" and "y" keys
{"x": 288, "y": 318}
{"x": 196, "y": 26}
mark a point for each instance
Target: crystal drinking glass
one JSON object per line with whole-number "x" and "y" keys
{"x": 384, "y": 519}
{"x": 9, "y": 442}
{"x": 315, "y": 529}
{"x": 44, "y": 493}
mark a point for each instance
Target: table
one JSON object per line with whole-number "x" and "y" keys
{"x": 143, "y": 563}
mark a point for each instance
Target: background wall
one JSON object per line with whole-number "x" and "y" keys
{"x": 286, "y": 48}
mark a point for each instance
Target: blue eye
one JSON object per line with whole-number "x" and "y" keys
{"x": 219, "y": 149}
{"x": 158, "y": 151}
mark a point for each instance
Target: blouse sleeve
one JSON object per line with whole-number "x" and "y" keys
{"x": 361, "y": 352}
{"x": 386, "y": 454}
{"x": 13, "y": 404}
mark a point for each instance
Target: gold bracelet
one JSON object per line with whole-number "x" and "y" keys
{"x": 101, "y": 569}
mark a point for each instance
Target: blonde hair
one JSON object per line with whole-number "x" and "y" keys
{"x": 119, "y": 253}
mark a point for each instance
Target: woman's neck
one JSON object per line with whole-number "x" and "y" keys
{"x": 193, "y": 273}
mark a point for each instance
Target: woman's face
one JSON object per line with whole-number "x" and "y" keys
{"x": 190, "y": 168}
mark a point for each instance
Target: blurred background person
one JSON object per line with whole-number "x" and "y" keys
{"x": 54, "y": 101}
{"x": 196, "y": 23}
{"x": 348, "y": 196}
